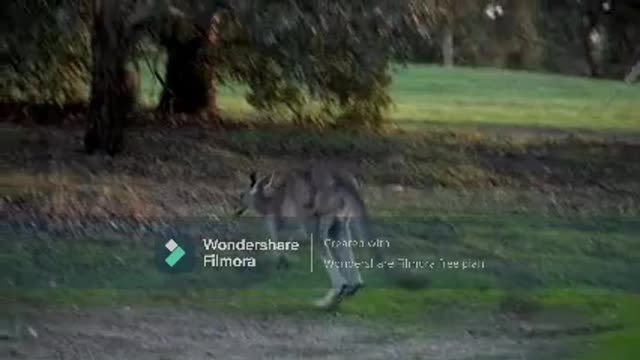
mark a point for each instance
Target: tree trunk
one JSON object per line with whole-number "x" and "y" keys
{"x": 590, "y": 23}
{"x": 447, "y": 46}
{"x": 189, "y": 81}
{"x": 112, "y": 87}
{"x": 590, "y": 58}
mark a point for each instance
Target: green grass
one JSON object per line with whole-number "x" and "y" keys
{"x": 578, "y": 272}
{"x": 427, "y": 95}
{"x": 518, "y": 251}
{"x": 517, "y": 98}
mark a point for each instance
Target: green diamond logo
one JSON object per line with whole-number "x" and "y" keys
{"x": 176, "y": 253}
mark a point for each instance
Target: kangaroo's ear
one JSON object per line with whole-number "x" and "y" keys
{"x": 267, "y": 184}
{"x": 266, "y": 181}
{"x": 270, "y": 180}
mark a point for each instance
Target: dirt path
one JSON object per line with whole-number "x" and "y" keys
{"x": 158, "y": 334}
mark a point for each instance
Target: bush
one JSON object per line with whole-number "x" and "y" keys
{"x": 329, "y": 84}
{"x": 47, "y": 50}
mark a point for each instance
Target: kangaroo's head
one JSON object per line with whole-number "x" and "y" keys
{"x": 255, "y": 198}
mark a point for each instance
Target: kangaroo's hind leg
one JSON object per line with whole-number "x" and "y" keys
{"x": 273, "y": 227}
{"x": 345, "y": 253}
{"x": 328, "y": 228}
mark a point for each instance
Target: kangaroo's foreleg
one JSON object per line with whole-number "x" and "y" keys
{"x": 273, "y": 227}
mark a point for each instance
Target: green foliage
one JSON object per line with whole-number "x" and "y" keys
{"x": 271, "y": 93}
{"x": 368, "y": 107}
{"x": 315, "y": 63}
{"x": 47, "y": 45}
{"x": 513, "y": 38}
{"x": 322, "y": 62}
{"x": 320, "y": 70}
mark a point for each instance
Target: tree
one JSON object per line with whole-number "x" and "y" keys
{"x": 116, "y": 28}
{"x": 608, "y": 32}
{"x": 355, "y": 39}
{"x": 621, "y": 22}
{"x": 338, "y": 52}
{"x": 188, "y": 40}
{"x": 449, "y": 17}
{"x": 44, "y": 53}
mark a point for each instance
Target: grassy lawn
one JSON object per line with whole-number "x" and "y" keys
{"x": 516, "y": 98}
{"x": 580, "y": 273}
{"x": 518, "y": 252}
{"x": 427, "y": 95}
{"x": 554, "y": 221}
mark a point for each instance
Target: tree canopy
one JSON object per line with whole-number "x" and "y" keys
{"x": 335, "y": 53}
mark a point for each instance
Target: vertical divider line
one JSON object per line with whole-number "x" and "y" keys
{"x": 311, "y": 256}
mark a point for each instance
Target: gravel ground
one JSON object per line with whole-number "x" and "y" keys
{"x": 144, "y": 333}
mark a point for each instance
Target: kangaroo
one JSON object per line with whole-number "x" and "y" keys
{"x": 325, "y": 202}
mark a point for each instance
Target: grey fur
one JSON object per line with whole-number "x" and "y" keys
{"x": 325, "y": 202}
